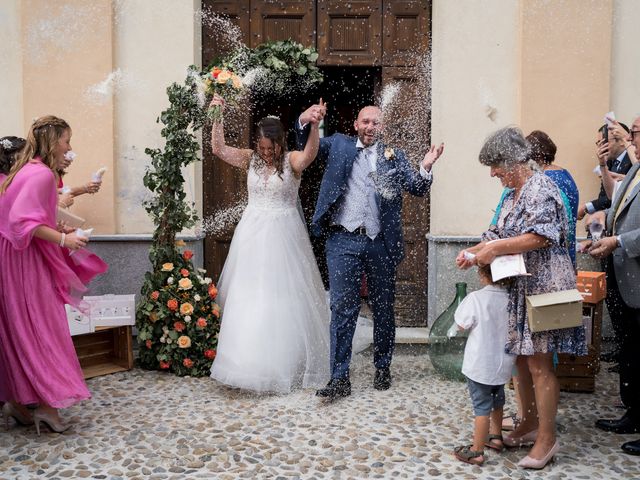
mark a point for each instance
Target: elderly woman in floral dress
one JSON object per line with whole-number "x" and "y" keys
{"x": 532, "y": 221}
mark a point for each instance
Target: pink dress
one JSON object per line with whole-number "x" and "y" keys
{"x": 38, "y": 362}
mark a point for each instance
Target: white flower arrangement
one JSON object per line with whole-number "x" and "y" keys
{"x": 389, "y": 153}
{"x": 170, "y": 281}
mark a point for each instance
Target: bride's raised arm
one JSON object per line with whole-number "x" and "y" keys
{"x": 238, "y": 157}
{"x": 302, "y": 159}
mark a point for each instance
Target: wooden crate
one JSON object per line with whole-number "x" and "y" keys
{"x": 578, "y": 373}
{"x": 107, "y": 350}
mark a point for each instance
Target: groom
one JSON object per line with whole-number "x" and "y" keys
{"x": 359, "y": 208}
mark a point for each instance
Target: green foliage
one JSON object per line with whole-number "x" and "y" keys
{"x": 288, "y": 62}
{"x": 168, "y": 209}
{"x": 156, "y": 322}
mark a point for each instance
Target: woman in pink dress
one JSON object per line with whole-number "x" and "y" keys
{"x": 38, "y": 363}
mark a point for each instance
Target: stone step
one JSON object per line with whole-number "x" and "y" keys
{"x": 412, "y": 335}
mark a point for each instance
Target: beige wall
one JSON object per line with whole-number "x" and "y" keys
{"x": 566, "y": 61}
{"x": 476, "y": 90}
{"x": 103, "y": 66}
{"x": 625, "y": 60}
{"x": 541, "y": 65}
{"x": 154, "y": 44}
{"x": 558, "y": 66}
{"x": 58, "y": 70}
{"x": 12, "y": 118}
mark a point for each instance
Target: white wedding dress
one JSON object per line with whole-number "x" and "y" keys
{"x": 274, "y": 334}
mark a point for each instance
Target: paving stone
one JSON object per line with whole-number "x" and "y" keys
{"x": 153, "y": 425}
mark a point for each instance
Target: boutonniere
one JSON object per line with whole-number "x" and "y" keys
{"x": 389, "y": 154}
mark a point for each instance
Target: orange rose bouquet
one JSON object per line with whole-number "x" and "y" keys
{"x": 178, "y": 321}
{"x": 224, "y": 82}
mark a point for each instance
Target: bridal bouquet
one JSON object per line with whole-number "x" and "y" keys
{"x": 224, "y": 82}
{"x": 178, "y": 322}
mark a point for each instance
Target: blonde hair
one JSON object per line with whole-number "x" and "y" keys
{"x": 42, "y": 140}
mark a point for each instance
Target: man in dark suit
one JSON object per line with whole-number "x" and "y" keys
{"x": 621, "y": 249}
{"x": 616, "y": 165}
{"x": 359, "y": 208}
{"x": 618, "y": 162}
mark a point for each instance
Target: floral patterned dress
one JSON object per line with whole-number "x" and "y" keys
{"x": 539, "y": 210}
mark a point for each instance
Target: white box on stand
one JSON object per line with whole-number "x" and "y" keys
{"x": 112, "y": 310}
{"x": 79, "y": 324}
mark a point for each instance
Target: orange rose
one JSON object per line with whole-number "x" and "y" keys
{"x": 215, "y": 72}
{"x": 184, "y": 272}
{"x": 167, "y": 267}
{"x": 216, "y": 311}
{"x": 201, "y": 322}
{"x": 186, "y": 309}
{"x": 153, "y": 316}
{"x": 155, "y": 295}
{"x": 172, "y": 304}
{"x": 184, "y": 341}
{"x": 187, "y": 254}
{"x": 213, "y": 291}
{"x": 164, "y": 365}
{"x": 185, "y": 284}
{"x": 223, "y": 76}
{"x": 179, "y": 326}
{"x": 148, "y": 344}
{"x": 210, "y": 354}
{"x": 187, "y": 362}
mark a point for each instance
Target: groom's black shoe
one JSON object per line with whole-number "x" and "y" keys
{"x": 382, "y": 380}
{"x": 626, "y": 424}
{"x": 337, "y": 387}
{"x": 632, "y": 448}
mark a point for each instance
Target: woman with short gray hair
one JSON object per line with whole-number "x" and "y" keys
{"x": 533, "y": 222}
{"x": 505, "y": 147}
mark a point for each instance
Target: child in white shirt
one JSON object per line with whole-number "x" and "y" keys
{"x": 486, "y": 365}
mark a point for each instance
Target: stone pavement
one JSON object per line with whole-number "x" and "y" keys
{"x": 152, "y": 425}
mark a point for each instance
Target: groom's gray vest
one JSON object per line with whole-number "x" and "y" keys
{"x": 358, "y": 206}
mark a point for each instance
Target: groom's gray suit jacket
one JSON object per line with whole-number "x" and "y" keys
{"x": 626, "y": 260}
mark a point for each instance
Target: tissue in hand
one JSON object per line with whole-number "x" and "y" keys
{"x": 82, "y": 233}
{"x": 97, "y": 176}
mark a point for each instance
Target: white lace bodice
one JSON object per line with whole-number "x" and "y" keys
{"x": 270, "y": 192}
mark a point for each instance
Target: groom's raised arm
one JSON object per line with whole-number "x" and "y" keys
{"x": 419, "y": 183}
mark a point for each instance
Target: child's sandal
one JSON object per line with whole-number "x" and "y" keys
{"x": 466, "y": 455}
{"x": 492, "y": 443}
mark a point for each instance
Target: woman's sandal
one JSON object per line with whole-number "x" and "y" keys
{"x": 510, "y": 423}
{"x": 493, "y": 443}
{"x": 466, "y": 455}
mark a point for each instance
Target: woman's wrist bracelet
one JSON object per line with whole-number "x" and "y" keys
{"x": 62, "y": 239}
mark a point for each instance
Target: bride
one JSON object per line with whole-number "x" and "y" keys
{"x": 274, "y": 334}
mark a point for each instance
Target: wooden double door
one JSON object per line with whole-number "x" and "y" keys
{"x": 362, "y": 46}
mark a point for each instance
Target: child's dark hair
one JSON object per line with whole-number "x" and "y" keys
{"x": 485, "y": 271}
